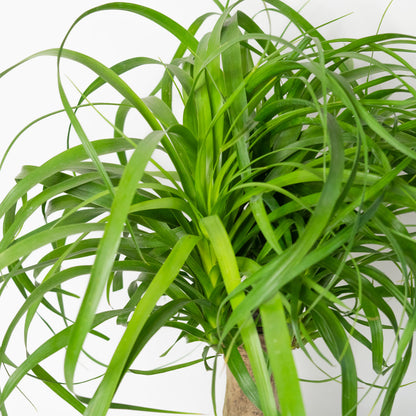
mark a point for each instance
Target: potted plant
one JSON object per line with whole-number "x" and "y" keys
{"x": 293, "y": 164}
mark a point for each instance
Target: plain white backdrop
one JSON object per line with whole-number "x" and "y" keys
{"x": 30, "y": 91}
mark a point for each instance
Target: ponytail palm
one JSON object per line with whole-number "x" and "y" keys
{"x": 292, "y": 178}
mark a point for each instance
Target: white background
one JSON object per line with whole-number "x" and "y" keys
{"x": 28, "y": 26}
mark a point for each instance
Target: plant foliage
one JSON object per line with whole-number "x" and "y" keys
{"x": 293, "y": 170}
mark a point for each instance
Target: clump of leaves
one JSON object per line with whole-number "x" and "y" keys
{"x": 293, "y": 166}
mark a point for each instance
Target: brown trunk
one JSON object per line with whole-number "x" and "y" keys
{"x": 236, "y": 402}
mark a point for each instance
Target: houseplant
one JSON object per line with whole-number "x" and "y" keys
{"x": 293, "y": 166}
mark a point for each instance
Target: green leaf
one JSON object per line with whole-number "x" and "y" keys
{"x": 160, "y": 283}
{"x": 107, "y": 248}
{"x": 48, "y": 348}
{"x": 278, "y": 272}
{"x": 60, "y": 162}
{"x": 400, "y": 367}
{"x": 279, "y": 347}
{"x": 227, "y": 262}
{"x": 57, "y": 388}
{"x": 27, "y": 245}
{"x": 334, "y": 336}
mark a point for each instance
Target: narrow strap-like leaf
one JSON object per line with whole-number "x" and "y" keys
{"x": 400, "y": 367}
{"x": 279, "y": 347}
{"x": 160, "y": 283}
{"x": 215, "y": 231}
{"x": 58, "y": 163}
{"x": 47, "y": 349}
{"x": 35, "y": 241}
{"x": 107, "y": 248}
{"x": 57, "y": 388}
{"x": 338, "y": 343}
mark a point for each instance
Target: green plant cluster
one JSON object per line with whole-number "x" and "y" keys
{"x": 294, "y": 164}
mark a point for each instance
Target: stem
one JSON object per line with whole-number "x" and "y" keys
{"x": 236, "y": 403}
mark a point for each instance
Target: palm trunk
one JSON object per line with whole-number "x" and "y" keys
{"x": 236, "y": 402}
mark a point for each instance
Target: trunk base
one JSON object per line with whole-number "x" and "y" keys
{"x": 236, "y": 403}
